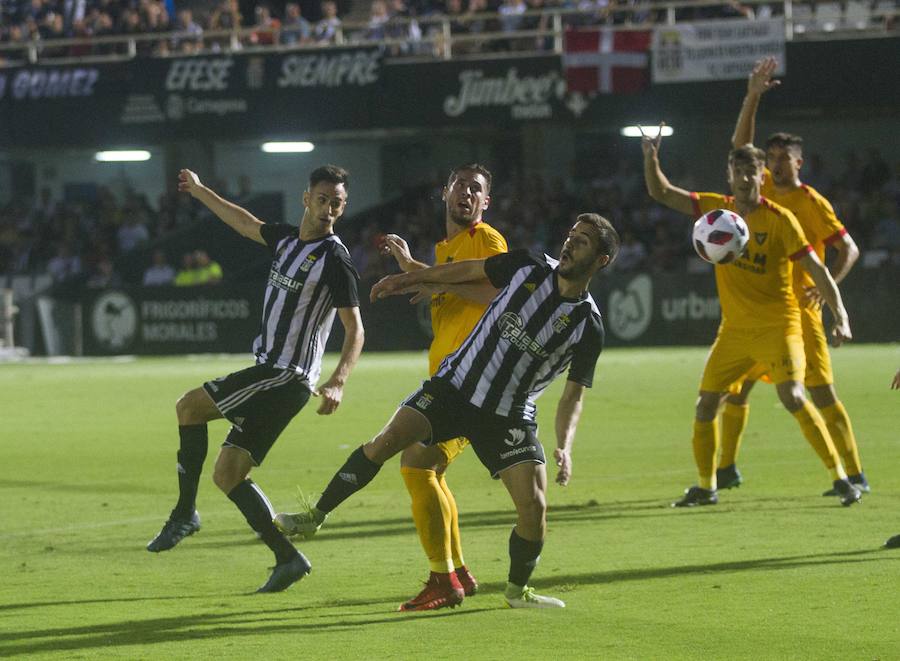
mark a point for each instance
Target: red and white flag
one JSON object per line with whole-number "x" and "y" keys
{"x": 607, "y": 61}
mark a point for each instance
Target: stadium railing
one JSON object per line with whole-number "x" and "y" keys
{"x": 433, "y": 36}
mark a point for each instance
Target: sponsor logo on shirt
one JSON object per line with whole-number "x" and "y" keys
{"x": 512, "y": 329}
{"x": 282, "y": 281}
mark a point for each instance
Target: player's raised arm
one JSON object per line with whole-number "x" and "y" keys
{"x": 759, "y": 82}
{"x": 240, "y": 220}
{"x": 658, "y": 185}
{"x": 466, "y": 271}
{"x": 568, "y": 412}
{"x": 832, "y": 295}
{"x": 399, "y": 250}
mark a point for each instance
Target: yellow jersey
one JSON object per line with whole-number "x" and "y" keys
{"x": 452, "y": 317}
{"x": 755, "y": 289}
{"x": 817, "y": 218}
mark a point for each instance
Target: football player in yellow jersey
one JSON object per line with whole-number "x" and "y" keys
{"x": 455, "y": 310}
{"x": 782, "y": 185}
{"x": 760, "y": 314}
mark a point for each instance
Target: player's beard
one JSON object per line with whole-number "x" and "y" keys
{"x": 463, "y": 219}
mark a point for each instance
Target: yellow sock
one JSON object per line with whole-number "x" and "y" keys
{"x": 838, "y": 423}
{"x": 455, "y": 540}
{"x": 431, "y": 514}
{"x": 816, "y": 433}
{"x": 734, "y": 420}
{"x": 705, "y": 442}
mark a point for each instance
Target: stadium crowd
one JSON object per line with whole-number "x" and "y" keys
{"x": 308, "y": 23}
{"x": 85, "y": 237}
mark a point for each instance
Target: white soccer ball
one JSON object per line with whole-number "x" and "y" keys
{"x": 720, "y": 236}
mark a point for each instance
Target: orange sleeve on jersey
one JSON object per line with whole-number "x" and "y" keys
{"x": 803, "y": 252}
{"x": 695, "y": 200}
{"x": 835, "y": 237}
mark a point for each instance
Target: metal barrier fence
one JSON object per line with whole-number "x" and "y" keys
{"x": 434, "y": 36}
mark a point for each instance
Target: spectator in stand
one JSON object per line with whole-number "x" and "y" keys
{"x": 378, "y": 18}
{"x": 132, "y": 233}
{"x": 65, "y": 264}
{"x": 266, "y": 26}
{"x": 327, "y": 28}
{"x": 632, "y": 253}
{"x": 104, "y": 276}
{"x": 208, "y": 271}
{"x": 225, "y": 17}
{"x": 160, "y": 272}
{"x": 187, "y": 276}
{"x": 295, "y": 30}
{"x": 511, "y": 15}
{"x": 191, "y": 39}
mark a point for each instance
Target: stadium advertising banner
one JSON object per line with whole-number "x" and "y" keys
{"x": 485, "y": 92}
{"x": 643, "y": 309}
{"x": 715, "y": 50}
{"x": 151, "y": 100}
{"x": 170, "y": 320}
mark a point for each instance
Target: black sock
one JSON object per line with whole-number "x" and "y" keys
{"x": 356, "y": 473}
{"x": 191, "y": 455}
{"x": 523, "y": 558}
{"x": 255, "y": 507}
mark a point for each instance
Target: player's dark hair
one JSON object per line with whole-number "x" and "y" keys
{"x": 477, "y": 168}
{"x": 747, "y": 154}
{"x": 607, "y": 236}
{"x": 333, "y": 174}
{"x": 785, "y": 141}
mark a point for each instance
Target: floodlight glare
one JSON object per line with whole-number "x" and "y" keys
{"x": 649, "y": 131}
{"x": 122, "y": 156}
{"x": 287, "y": 147}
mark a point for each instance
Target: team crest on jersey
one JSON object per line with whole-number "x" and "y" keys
{"x": 308, "y": 263}
{"x": 561, "y": 323}
{"x": 530, "y": 286}
{"x": 424, "y": 401}
{"x": 760, "y": 237}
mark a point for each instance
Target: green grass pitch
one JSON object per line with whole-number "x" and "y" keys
{"x": 774, "y": 572}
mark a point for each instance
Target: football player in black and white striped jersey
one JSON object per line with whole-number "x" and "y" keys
{"x": 542, "y": 322}
{"x": 310, "y": 279}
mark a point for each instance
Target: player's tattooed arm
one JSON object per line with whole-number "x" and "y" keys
{"x": 568, "y": 412}
{"x": 477, "y": 292}
{"x": 240, "y": 220}
{"x": 759, "y": 82}
{"x": 658, "y": 185}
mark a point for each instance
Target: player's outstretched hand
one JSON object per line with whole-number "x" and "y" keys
{"x": 422, "y": 291}
{"x": 398, "y": 248}
{"x": 389, "y": 285}
{"x": 188, "y": 182}
{"x": 840, "y": 332}
{"x": 650, "y": 145}
{"x": 331, "y": 394}
{"x": 564, "y": 462}
{"x": 760, "y": 80}
{"x": 895, "y": 384}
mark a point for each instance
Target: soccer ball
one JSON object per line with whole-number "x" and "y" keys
{"x": 720, "y": 236}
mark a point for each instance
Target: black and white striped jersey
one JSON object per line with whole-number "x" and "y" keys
{"x": 527, "y": 337}
{"x": 308, "y": 281}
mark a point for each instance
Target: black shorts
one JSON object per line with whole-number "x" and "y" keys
{"x": 499, "y": 442}
{"x": 259, "y": 402}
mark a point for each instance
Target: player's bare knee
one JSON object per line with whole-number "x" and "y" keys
{"x": 791, "y": 396}
{"x": 823, "y": 396}
{"x": 707, "y": 406}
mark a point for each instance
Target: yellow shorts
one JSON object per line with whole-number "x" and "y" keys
{"x": 815, "y": 345}
{"x": 735, "y": 354}
{"x": 815, "y": 348}
{"x": 453, "y": 448}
